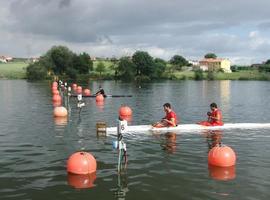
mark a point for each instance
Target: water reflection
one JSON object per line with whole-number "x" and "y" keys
{"x": 222, "y": 173}
{"x": 213, "y": 137}
{"x": 60, "y": 121}
{"x": 80, "y": 133}
{"x": 81, "y": 181}
{"x": 60, "y": 125}
{"x": 100, "y": 105}
{"x": 168, "y": 141}
{"x": 225, "y": 89}
{"x": 122, "y": 186}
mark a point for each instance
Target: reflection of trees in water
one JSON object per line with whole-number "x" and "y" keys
{"x": 122, "y": 186}
{"x": 213, "y": 138}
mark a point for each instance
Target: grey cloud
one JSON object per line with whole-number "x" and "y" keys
{"x": 126, "y": 17}
{"x": 192, "y": 27}
{"x": 64, "y": 3}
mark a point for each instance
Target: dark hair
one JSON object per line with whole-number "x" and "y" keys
{"x": 213, "y": 105}
{"x": 167, "y": 105}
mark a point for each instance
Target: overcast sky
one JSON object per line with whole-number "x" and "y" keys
{"x": 234, "y": 29}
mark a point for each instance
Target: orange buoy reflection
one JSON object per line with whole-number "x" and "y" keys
{"x": 99, "y": 98}
{"x": 57, "y": 103}
{"x": 60, "y": 121}
{"x": 100, "y": 105}
{"x": 81, "y": 181}
{"x": 222, "y": 173}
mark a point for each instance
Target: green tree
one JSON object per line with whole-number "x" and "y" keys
{"x": 100, "y": 67}
{"x": 114, "y": 66}
{"x": 82, "y": 63}
{"x": 127, "y": 69}
{"x": 178, "y": 62}
{"x": 144, "y": 63}
{"x": 210, "y": 75}
{"x": 267, "y": 62}
{"x": 61, "y": 57}
{"x": 36, "y": 72}
{"x": 160, "y": 66}
{"x": 210, "y": 55}
{"x": 198, "y": 74}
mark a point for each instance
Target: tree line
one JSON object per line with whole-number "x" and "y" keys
{"x": 60, "y": 61}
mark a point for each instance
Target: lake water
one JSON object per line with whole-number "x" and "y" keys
{"x": 34, "y": 147}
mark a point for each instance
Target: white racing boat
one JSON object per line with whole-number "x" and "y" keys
{"x": 184, "y": 127}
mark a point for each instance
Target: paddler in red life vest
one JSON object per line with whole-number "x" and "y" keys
{"x": 214, "y": 117}
{"x": 170, "y": 120}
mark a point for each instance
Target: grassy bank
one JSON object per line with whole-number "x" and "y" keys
{"x": 17, "y": 70}
{"x": 241, "y": 75}
{"x": 13, "y": 70}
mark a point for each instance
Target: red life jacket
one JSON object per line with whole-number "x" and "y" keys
{"x": 171, "y": 115}
{"x": 216, "y": 122}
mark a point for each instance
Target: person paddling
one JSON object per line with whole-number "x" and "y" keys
{"x": 101, "y": 91}
{"x": 170, "y": 120}
{"x": 214, "y": 117}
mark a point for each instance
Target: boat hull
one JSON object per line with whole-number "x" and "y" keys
{"x": 189, "y": 127}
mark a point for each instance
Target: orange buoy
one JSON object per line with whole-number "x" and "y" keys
{"x": 56, "y": 98}
{"x": 81, "y": 181}
{"x": 99, "y": 98}
{"x": 54, "y": 88}
{"x": 55, "y": 92}
{"x": 127, "y": 118}
{"x": 60, "y": 111}
{"x": 54, "y": 84}
{"x": 79, "y": 90}
{"x": 86, "y": 92}
{"x": 81, "y": 163}
{"x": 125, "y": 111}
{"x": 222, "y": 156}
{"x": 74, "y": 86}
{"x": 222, "y": 173}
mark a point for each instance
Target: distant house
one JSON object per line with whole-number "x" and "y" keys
{"x": 215, "y": 64}
{"x": 193, "y": 62}
{"x": 93, "y": 58}
{"x": 5, "y": 59}
{"x": 34, "y": 60}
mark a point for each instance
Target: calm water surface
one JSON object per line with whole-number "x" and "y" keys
{"x": 34, "y": 147}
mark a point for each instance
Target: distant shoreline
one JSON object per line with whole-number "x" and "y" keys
{"x": 17, "y": 70}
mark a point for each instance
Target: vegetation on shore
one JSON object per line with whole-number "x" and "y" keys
{"x": 60, "y": 62}
{"x": 13, "y": 70}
